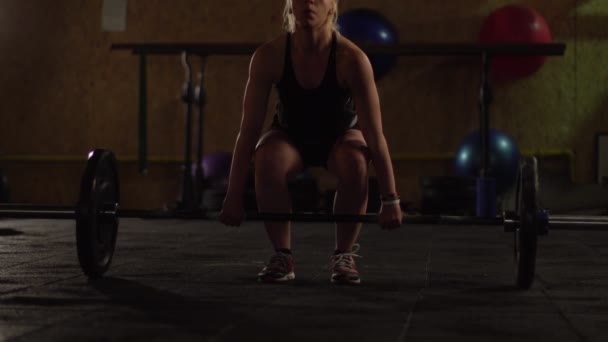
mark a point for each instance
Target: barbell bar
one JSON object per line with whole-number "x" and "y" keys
{"x": 34, "y": 211}
{"x": 110, "y": 210}
{"x": 97, "y": 213}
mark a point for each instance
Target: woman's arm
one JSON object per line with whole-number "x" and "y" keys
{"x": 365, "y": 95}
{"x": 255, "y": 104}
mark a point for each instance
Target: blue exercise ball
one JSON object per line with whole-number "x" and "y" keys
{"x": 503, "y": 163}
{"x": 366, "y": 26}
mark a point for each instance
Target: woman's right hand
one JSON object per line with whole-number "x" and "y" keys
{"x": 232, "y": 211}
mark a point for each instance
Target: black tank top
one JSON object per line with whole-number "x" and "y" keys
{"x": 310, "y": 114}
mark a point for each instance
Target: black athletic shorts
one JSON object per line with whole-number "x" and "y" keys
{"x": 314, "y": 148}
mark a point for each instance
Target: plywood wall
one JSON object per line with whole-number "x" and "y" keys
{"x": 64, "y": 92}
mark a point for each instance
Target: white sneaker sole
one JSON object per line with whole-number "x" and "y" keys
{"x": 287, "y": 277}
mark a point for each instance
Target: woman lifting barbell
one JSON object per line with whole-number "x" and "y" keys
{"x": 320, "y": 77}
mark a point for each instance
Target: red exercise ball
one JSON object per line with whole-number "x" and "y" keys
{"x": 515, "y": 24}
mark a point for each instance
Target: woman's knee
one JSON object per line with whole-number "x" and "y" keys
{"x": 275, "y": 159}
{"x": 265, "y": 159}
{"x": 349, "y": 163}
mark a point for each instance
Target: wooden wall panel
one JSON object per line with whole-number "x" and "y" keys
{"x": 65, "y": 92}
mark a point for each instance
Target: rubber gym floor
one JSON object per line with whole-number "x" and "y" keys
{"x": 177, "y": 280}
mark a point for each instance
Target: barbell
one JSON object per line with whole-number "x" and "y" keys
{"x": 97, "y": 212}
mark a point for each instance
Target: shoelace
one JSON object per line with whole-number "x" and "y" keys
{"x": 345, "y": 259}
{"x": 278, "y": 261}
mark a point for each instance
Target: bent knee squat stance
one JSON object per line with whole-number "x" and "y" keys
{"x": 276, "y": 161}
{"x": 349, "y": 164}
{"x": 320, "y": 77}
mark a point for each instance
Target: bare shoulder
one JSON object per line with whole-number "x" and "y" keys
{"x": 268, "y": 58}
{"x": 350, "y": 59}
{"x": 349, "y": 53}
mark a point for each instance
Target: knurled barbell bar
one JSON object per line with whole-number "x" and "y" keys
{"x": 97, "y": 213}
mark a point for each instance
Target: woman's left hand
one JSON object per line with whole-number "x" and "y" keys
{"x": 390, "y": 216}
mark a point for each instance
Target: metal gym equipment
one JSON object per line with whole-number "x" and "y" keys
{"x": 98, "y": 211}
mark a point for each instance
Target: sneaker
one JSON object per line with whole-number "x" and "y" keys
{"x": 279, "y": 269}
{"x": 343, "y": 268}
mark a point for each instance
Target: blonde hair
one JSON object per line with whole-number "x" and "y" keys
{"x": 289, "y": 19}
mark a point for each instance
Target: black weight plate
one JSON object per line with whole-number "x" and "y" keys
{"x": 5, "y": 193}
{"x": 96, "y": 233}
{"x": 526, "y": 232}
